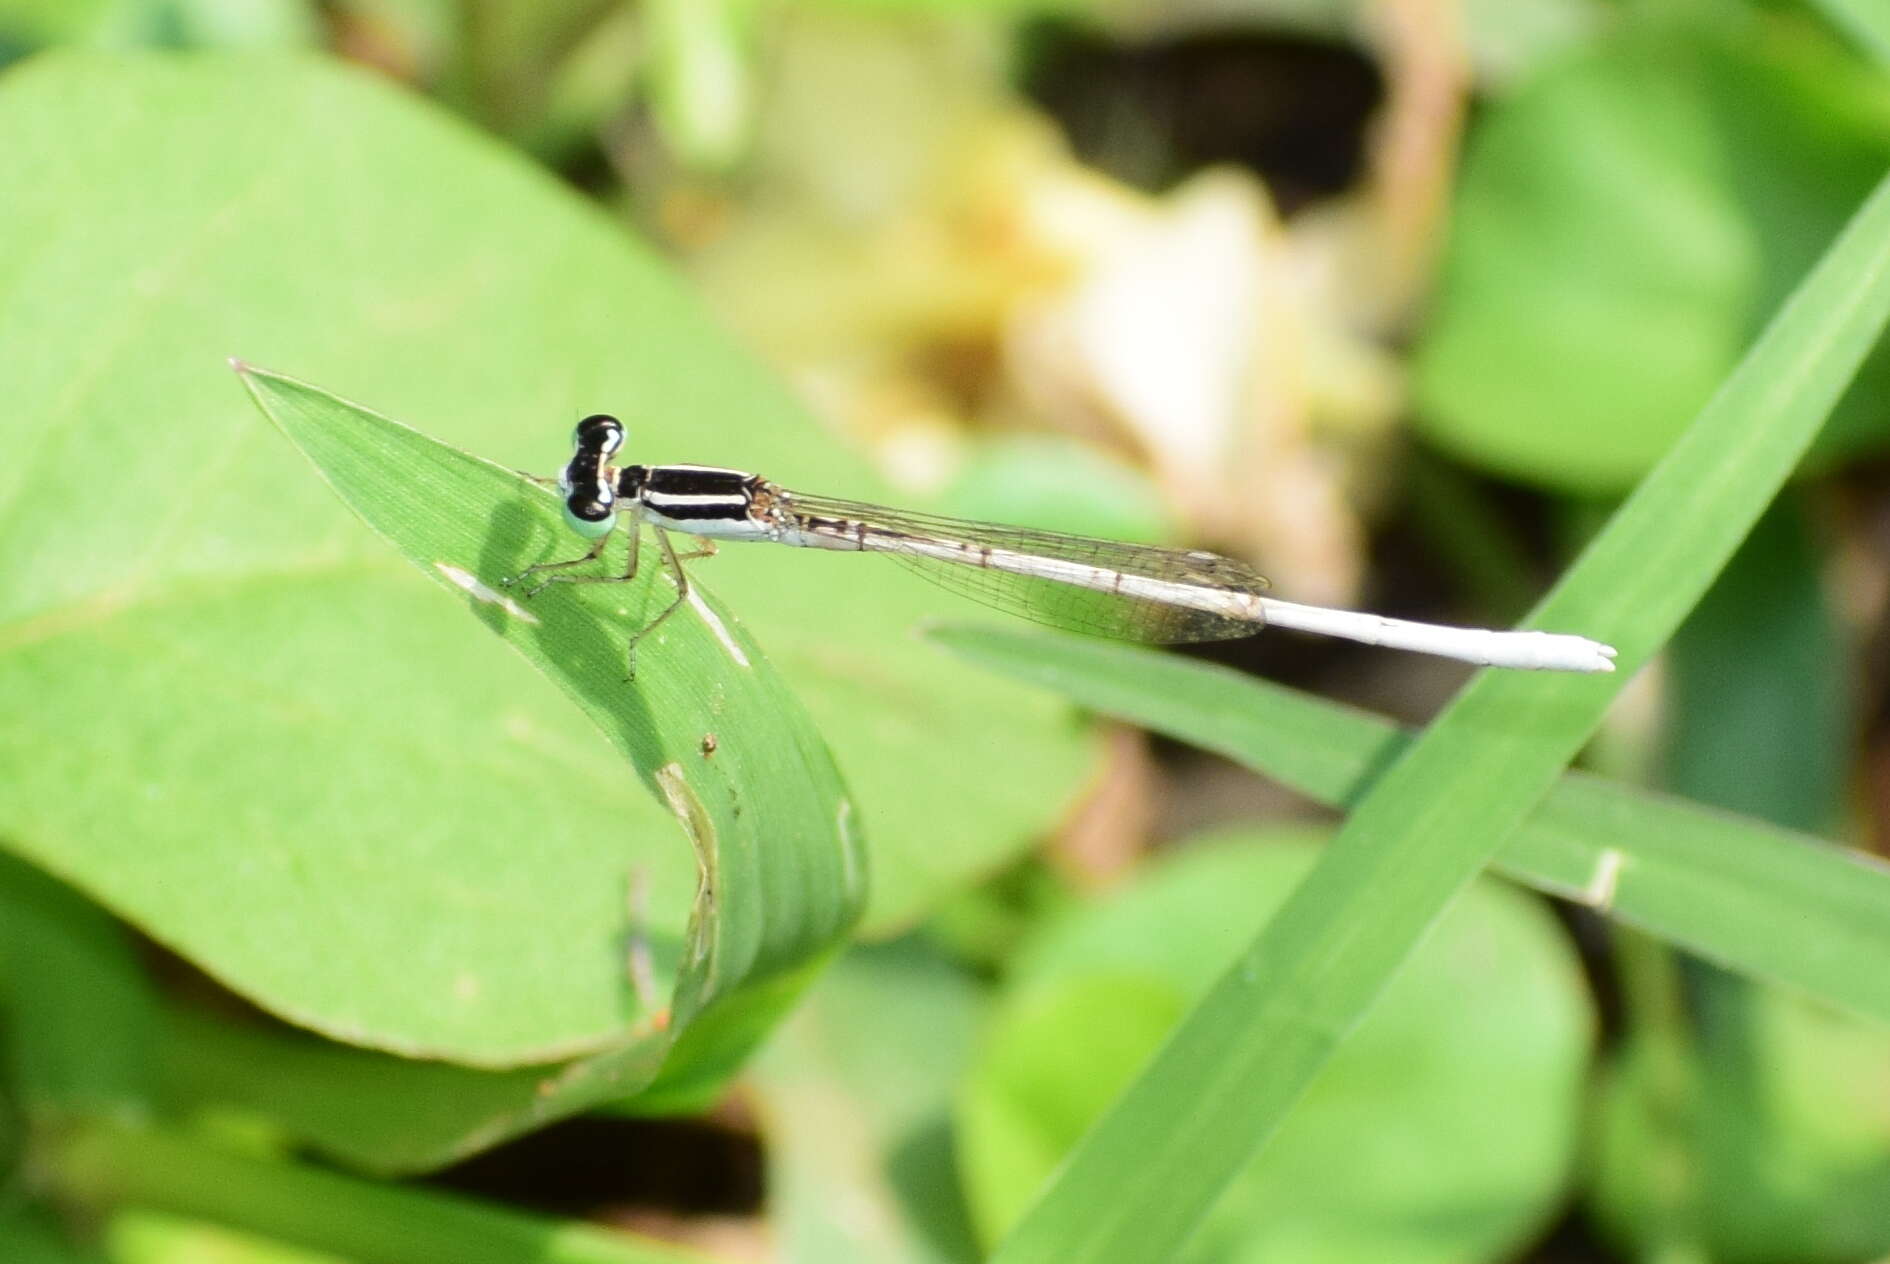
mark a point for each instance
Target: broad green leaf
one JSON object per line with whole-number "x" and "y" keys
{"x": 1143, "y": 1179}
{"x": 80, "y": 1021}
{"x": 1058, "y": 484}
{"x": 394, "y": 1116}
{"x": 1769, "y": 902}
{"x": 1784, "y": 1151}
{"x": 1003, "y": 7}
{"x": 29, "y": 24}
{"x": 781, "y": 875}
{"x": 216, "y": 660}
{"x": 855, "y": 1092}
{"x": 1444, "y": 1130}
{"x": 1055, "y": 1057}
{"x": 248, "y": 24}
{"x": 1626, "y": 221}
{"x": 375, "y": 1112}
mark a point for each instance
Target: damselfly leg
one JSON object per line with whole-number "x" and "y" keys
{"x": 596, "y": 551}
{"x": 672, "y": 563}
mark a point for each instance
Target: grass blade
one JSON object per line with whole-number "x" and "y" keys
{"x": 712, "y": 730}
{"x": 1141, "y": 1181}
{"x": 1734, "y": 890}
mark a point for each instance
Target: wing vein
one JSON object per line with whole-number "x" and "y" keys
{"x": 1080, "y": 591}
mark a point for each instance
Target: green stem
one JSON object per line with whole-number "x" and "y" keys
{"x": 103, "y": 1165}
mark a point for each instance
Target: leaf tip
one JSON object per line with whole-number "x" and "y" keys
{"x": 239, "y": 366}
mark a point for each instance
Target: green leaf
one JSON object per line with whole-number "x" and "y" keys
{"x": 250, "y": 24}
{"x": 1467, "y": 1079}
{"x": 32, "y": 1236}
{"x": 1058, "y": 484}
{"x": 764, "y": 810}
{"x": 104, "y": 1165}
{"x": 1762, "y": 1112}
{"x": 235, "y": 718}
{"x": 1731, "y": 889}
{"x": 1509, "y": 40}
{"x": 394, "y": 1116}
{"x": 1626, "y": 221}
{"x": 1055, "y": 1057}
{"x": 708, "y": 725}
{"x": 148, "y": 1237}
{"x": 27, "y": 24}
{"x": 377, "y": 1113}
{"x": 1867, "y": 22}
{"x": 1765, "y": 736}
{"x": 856, "y": 1092}
{"x": 1143, "y": 1179}
{"x": 1782, "y": 1150}
{"x": 80, "y": 1019}
{"x": 1005, "y": 7}
{"x": 702, "y": 78}
{"x": 1770, "y": 902}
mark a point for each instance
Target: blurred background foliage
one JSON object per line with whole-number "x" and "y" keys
{"x": 1393, "y": 298}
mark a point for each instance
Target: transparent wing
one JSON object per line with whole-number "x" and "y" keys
{"x": 914, "y": 540}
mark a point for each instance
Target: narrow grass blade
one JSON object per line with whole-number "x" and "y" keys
{"x": 712, "y": 731}
{"x": 1766, "y": 901}
{"x": 1141, "y": 1181}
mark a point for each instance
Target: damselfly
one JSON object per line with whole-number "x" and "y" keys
{"x": 1134, "y": 592}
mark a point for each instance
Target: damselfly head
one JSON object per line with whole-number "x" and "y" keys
{"x": 590, "y": 503}
{"x": 600, "y": 434}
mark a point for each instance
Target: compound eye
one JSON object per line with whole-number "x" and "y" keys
{"x": 590, "y": 514}
{"x": 600, "y": 433}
